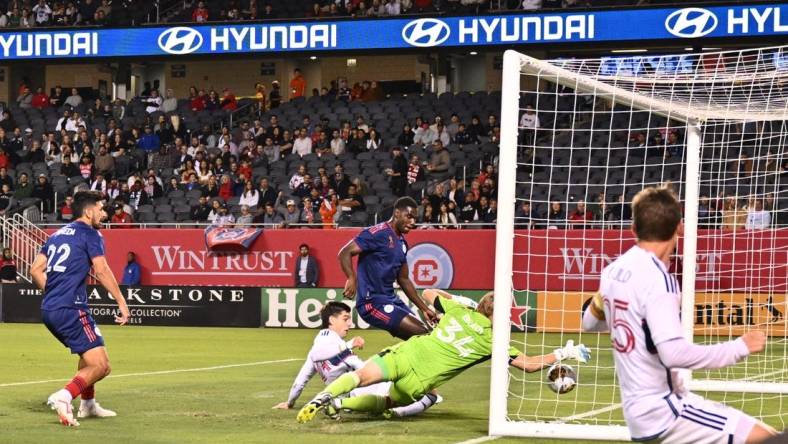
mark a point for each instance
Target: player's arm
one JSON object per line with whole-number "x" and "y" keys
{"x": 594, "y": 315}
{"x": 303, "y": 377}
{"x": 664, "y": 324}
{"x": 530, "y": 364}
{"x": 327, "y": 347}
{"x": 431, "y": 296}
{"x": 346, "y": 262}
{"x": 38, "y": 271}
{"x": 410, "y": 291}
{"x": 107, "y": 279}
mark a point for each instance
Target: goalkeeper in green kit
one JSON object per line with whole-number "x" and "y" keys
{"x": 462, "y": 339}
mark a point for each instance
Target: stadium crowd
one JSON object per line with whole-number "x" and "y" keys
{"x": 49, "y": 13}
{"x": 338, "y": 158}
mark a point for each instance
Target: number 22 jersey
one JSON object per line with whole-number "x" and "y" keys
{"x": 69, "y": 253}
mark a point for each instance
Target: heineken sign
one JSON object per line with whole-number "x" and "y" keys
{"x": 300, "y": 307}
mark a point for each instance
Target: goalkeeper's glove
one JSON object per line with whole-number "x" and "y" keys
{"x": 578, "y": 352}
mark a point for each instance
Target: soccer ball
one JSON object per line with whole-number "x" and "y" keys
{"x": 561, "y": 378}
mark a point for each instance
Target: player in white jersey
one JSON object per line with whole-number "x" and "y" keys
{"x": 639, "y": 303}
{"x": 331, "y": 357}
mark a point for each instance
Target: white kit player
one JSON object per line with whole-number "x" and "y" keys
{"x": 331, "y": 357}
{"x": 639, "y": 303}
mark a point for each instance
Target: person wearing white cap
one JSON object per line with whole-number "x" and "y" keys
{"x": 293, "y": 214}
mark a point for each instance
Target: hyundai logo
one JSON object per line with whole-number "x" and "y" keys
{"x": 691, "y": 23}
{"x": 180, "y": 40}
{"x": 424, "y": 33}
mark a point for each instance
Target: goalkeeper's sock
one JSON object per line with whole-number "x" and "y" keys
{"x": 417, "y": 407}
{"x": 343, "y": 384}
{"x": 365, "y": 403}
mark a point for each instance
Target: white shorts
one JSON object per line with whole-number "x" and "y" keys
{"x": 379, "y": 389}
{"x": 702, "y": 421}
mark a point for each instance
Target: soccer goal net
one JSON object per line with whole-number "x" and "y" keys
{"x": 579, "y": 138}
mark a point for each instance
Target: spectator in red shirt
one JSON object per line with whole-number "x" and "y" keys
{"x": 228, "y": 102}
{"x": 226, "y": 188}
{"x": 196, "y": 99}
{"x": 297, "y": 84}
{"x": 121, "y": 218}
{"x": 66, "y": 212}
{"x": 40, "y": 99}
{"x": 581, "y": 214}
{"x": 200, "y": 13}
{"x": 5, "y": 161}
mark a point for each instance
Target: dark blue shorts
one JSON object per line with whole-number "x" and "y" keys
{"x": 383, "y": 311}
{"x": 74, "y": 328}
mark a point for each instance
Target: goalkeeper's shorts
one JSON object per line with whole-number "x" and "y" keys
{"x": 406, "y": 387}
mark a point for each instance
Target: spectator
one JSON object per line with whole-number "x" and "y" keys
{"x": 340, "y": 182}
{"x": 446, "y": 219}
{"x": 246, "y": 218}
{"x": 442, "y": 134}
{"x": 415, "y": 170}
{"x": 75, "y": 123}
{"x": 406, "y": 137}
{"x": 66, "y": 212}
{"x": 7, "y": 200}
{"x": 149, "y": 142}
{"x": 374, "y": 141}
{"x": 267, "y": 193}
{"x": 475, "y": 129}
{"x": 270, "y": 216}
{"x": 250, "y": 196}
{"x": 137, "y": 195}
{"x": 298, "y": 177}
{"x": 469, "y": 211}
{"x": 87, "y": 10}
{"x": 120, "y": 218}
{"x": 43, "y": 13}
{"x": 337, "y": 143}
{"x": 228, "y": 102}
{"x": 303, "y": 144}
{"x": 580, "y": 215}
{"x": 74, "y": 100}
{"x": 5, "y": 179}
{"x": 23, "y": 187}
{"x": 224, "y": 217}
{"x": 398, "y": 173}
{"x": 524, "y": 217}
{"x": 438, "y": 168}
{"x": 555, "y": 215}
{"x": 306, "y": 269}
{"x": 131, "y": 274}
{"x": 25, "y": 99}
{"x": 153, "y": 103}
{"x": 226, "y": 188}
{"x": 424, "y": 135}
{"x": 757, "y": 217}
{"x": 170, "y": 103}
{"x": 529, "y": 122}
{"x": 351, "y": 204}
{"x": 43, "y": 190}
{"x": 152, "y": 188}
{"x": 275, "y": 96}
{"x": 201, "y": 211}
{"x": 8, "y": 267}
{"x": 328, "y": 209}
{"x": 297, "y": 84}
{"x": 200, "y": 13}
{"x": 292, "y": 215}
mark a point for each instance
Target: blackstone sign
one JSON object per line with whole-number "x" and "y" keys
{"x": 677, "y": 24}
{"x": 176, "y": 306}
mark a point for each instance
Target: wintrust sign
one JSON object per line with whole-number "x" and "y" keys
{"x": 173, "y": 260}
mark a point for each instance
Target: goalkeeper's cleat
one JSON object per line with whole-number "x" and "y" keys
{"x": 64, "y": 410}
{"x": 94, "y": 410}
{"x": 388, "y": 414}
{"x": 308, "y": 412}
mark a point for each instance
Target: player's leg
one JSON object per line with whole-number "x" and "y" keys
{"x": 410, "y": 326}
{"x": 375, "y": 370}
{"x": 418, "y": 407}
{"x": 76, "y": 330}
{"x": 391, "y": 314}
{"x": 88, "y": 407}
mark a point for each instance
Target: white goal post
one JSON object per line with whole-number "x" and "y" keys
{"x": 718, "y": 124}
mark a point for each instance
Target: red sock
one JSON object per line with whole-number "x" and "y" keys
{"x": 88, "y": 393}
{"x": 76, "y": 386}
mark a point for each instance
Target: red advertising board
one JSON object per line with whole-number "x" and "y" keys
{"x": 544, "y": 259}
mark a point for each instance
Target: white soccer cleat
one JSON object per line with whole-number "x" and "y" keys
{"x": 94, "y": 410}
{"x": 64, "y": 410}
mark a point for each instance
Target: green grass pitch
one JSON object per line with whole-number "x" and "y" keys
{"x": 206, "y": 404}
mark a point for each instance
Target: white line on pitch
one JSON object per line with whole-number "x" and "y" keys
{"x": 591, "y": 413}
{"x": 479, "y": 439}
{"x": 160, "y": 372}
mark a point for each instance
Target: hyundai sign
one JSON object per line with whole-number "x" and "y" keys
{"x": 679, "y": 24}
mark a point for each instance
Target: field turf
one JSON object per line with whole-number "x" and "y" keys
{"x": 216, "y": 385}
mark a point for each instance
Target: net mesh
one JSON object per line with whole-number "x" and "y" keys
{"x": 594, "y": 132}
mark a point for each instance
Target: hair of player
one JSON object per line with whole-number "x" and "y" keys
{"x": 486, "y": 304}
{"x": 404, "y": 202}
{"x": 656, "y": 214}
{"x": 332, "y": 309}
{"x": 84, "y": 199}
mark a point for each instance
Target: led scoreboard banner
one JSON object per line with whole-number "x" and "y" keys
{"x": 679, "y": 24}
